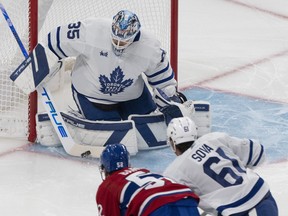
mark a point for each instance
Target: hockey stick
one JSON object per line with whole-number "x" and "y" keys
{"x": 57, "y": 121}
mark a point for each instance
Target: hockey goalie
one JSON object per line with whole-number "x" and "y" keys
{"x": 117, "y": 66}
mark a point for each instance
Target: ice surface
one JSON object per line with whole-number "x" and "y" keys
{"x": 233, "y": 55}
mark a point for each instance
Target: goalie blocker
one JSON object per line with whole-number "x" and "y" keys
{"x": 28, "y": 76}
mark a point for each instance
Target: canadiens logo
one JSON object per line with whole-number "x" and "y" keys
{"x": 115, "y": 84}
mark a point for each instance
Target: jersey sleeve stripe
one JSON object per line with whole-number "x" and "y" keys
{"x": 260, "y": 156}
{"x": 58, "y": 42}
{"x": 130, "y": 190}
{"x": 159, "y": 72}
{"x": 250, "y": 152}
{"x": 50, "y": 46}
{"x": 241, "y": 201}
{"x": 163, "y": 80}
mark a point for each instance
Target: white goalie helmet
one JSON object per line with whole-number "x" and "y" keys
{"x": 181, "y": 130}
{"x": 125, "y": 27}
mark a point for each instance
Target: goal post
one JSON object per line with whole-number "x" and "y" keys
{"x": 33, "y": 40}
{"x": 17, "y": 110}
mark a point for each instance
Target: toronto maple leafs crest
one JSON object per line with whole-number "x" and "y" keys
{"x": 115, "y": 84}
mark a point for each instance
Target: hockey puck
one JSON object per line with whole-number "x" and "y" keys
{"x": 85, "y": 154}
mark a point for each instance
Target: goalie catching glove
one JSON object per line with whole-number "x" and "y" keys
{"x": 168, "y": 96}
{"x": 177, "y": 105}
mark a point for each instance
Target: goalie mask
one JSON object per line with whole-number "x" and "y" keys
{"x": 181, "y": 130}
{"x": 125, "y": 27}
{"x": 114, "y": 157}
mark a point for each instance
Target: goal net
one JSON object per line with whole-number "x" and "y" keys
{"x": 13, "y": 103}
{"x": 158, "y": 16}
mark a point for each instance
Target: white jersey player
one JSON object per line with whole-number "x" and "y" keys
{"x": 110, "y": 58}
{"x": 218, "y": 168}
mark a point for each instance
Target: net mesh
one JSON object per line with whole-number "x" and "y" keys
{"x": 13, "y": 102}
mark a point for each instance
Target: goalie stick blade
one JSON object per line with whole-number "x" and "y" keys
{"x": 71, "y": 148}
{"x": 56, "y": 119}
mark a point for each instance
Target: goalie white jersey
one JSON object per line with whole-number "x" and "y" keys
{"x": 98, "y": 73}
{"x": 216, "y": 168}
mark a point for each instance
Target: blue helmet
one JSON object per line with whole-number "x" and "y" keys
{"x": 125, "y": 27}
{"x": 114, "y": 157}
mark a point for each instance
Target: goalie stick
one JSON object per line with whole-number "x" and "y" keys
{"x": 57, "y": 121}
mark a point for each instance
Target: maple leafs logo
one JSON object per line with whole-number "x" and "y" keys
{"x": 116, "y": 84}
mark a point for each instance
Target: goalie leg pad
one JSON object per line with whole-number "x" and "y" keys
{"x": 151, "y": 130}
{"x": 202, "y": 117}
{"x": 102, "y": 133}
{"x": 46, "y": 134}
{"x": 98, "y": 133}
